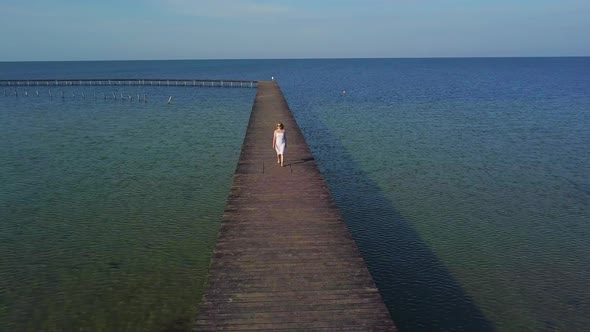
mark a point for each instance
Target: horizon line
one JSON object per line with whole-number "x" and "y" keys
{"x": 310, "y": 58}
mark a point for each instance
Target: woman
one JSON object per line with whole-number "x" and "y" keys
{"x": 279, "y": 142}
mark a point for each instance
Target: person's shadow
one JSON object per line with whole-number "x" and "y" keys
{"x": 298, "y": 161}
{"x": 418, "y": 290}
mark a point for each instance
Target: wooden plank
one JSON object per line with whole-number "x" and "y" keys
{"x": 284, "y": 258}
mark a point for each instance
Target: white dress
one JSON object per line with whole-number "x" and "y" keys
{"x": 280, "y": 143}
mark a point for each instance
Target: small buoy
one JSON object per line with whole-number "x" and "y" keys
{"x": 26, "y": 93}
{"x": 343, "y": 92}
{"x": 169, "y": 99}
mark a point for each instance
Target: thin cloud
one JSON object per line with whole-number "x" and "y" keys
{"x": 224, "y": 8}
{"x": 29, "y": 12}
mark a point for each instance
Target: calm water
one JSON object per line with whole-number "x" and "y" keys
{"x": 465, "y": 182}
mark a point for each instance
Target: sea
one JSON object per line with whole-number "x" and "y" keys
{"x": 465, "y": 183}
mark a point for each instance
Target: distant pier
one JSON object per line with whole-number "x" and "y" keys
{"x": 132, "y": 82}
{"x": 284, "y": 258}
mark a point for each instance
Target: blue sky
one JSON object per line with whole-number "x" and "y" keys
{"x": 244, "y": 29}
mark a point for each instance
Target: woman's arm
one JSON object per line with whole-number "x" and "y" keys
{"x": 274, "y": 139}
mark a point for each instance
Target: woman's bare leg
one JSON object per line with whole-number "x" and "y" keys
{"x": 281, "y": 157}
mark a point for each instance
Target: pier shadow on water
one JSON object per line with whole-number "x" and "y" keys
{"x": 417, "y": 288}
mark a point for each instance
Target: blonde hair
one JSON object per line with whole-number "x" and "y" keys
{"x": 280, "y": 125}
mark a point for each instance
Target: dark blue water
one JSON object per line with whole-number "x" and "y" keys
{"x": 465, "y": 182}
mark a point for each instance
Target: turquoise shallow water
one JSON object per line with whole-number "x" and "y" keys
{"x": 110, "y": 208}
{"x": 465, "y": 183}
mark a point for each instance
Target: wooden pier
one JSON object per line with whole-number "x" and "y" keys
{"x": 284, "y": 259}
{"x": 131, "y": 82}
